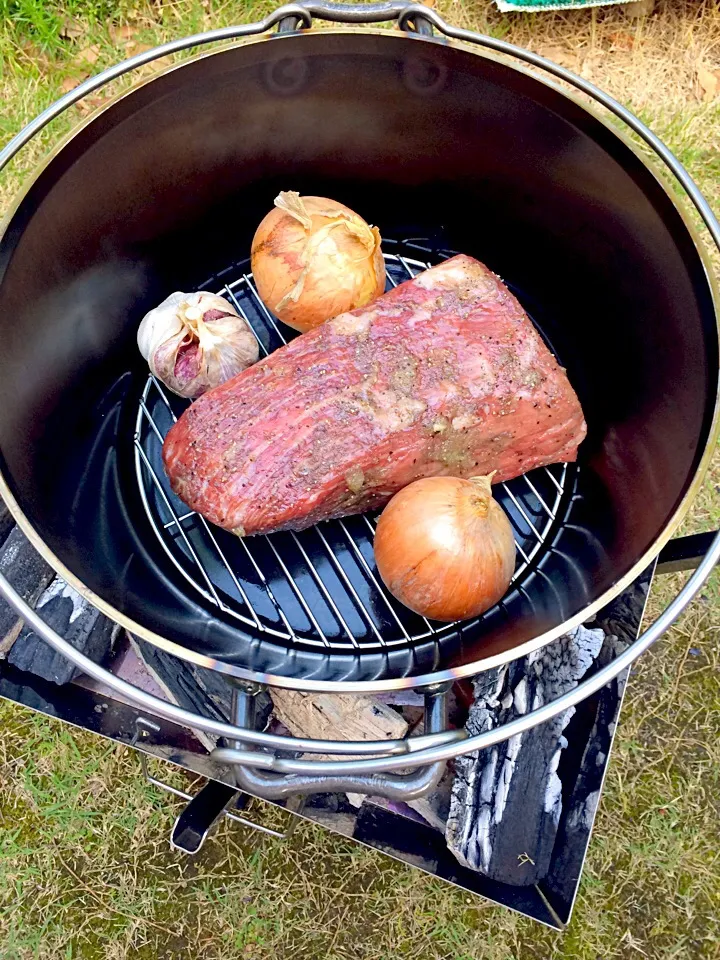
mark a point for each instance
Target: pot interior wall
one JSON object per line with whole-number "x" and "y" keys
{"x": 424, "y": 139}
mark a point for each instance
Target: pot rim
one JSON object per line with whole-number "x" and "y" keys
{"x": 477, "y": 666}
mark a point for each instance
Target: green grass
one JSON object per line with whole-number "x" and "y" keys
{"x": 85, "y": 867}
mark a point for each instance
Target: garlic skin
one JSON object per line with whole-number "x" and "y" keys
{"x": 196, "y": 341}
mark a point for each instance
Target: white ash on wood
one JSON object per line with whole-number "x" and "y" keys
{"x": 28, "y": 573}
{"x": 75, "y": 619}
{"x": 516, "y": 781}
{"x": 582, "y": 802}
{"x": 60, "y": 606}
{"x": 620, "y": 621}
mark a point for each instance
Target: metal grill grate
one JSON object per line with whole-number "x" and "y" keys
{"x": 318, "y": 588}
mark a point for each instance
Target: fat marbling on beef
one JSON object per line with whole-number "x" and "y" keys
{"x": 443, "y": 375}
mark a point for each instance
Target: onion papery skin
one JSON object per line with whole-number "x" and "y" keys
{"x": 312, "y": 269}
{"x": 445, "y": 548}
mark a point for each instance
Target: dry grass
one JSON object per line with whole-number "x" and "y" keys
{"x": 85, "y": 870}
{"x": 633, "y": 59}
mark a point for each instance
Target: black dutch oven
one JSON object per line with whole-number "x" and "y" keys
{"x": 449, "y": 142}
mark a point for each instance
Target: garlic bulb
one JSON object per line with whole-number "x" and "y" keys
{"x": 196, "y": 341}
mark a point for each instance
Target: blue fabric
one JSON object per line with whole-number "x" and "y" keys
{"x": 510, "y": 5}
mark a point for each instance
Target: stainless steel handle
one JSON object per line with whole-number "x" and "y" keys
{"x": 274, "y": 786}
{"x": 354, "y": 12}
{"x": 412, "y": 15}
{"x": 178, "y": 837}
{"x": 521, "y": 724}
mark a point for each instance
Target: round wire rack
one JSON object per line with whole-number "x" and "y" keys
{"x": 318, "y": 588}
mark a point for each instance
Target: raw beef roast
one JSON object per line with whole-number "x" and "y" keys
{"x": 443, "y": 375}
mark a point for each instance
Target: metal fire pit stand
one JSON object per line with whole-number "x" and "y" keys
{"x": 371, "y": 766}
{"x": 394, "y": 829}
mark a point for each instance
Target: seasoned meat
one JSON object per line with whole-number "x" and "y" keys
{"x": 443, "y": 375}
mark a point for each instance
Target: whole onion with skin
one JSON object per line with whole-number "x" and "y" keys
{"x": 314, "y": 258}
{"x": 445, "y": 548}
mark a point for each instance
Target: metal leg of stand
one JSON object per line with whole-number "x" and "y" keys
{"x": 210, "y": 804}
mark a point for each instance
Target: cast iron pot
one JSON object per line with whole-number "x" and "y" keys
{"x": 431, "y": 138}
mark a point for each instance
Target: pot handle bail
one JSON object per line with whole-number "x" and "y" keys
{"x": 278, "y": 786}
{"x": 408, "y": 15}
